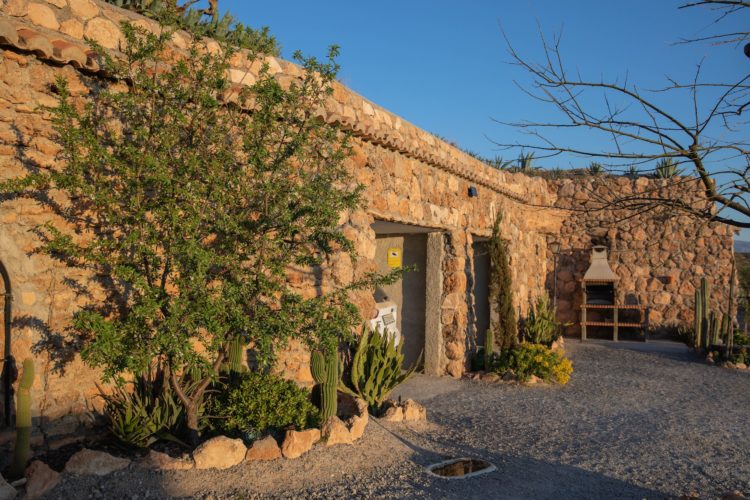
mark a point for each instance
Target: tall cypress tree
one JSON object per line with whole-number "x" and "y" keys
{"x": 504, "y": 323}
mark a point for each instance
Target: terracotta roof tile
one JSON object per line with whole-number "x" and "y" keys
{"x": 8, "y": 33}
{"x": 68, "y": 53}
{"x": 34, "y": 42}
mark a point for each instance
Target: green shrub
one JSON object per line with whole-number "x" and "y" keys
{"x": 741, "y": 357}
{"x": 205, "y": 23}
{"x": 255, "y": 402}
{"x": 376, "y": 369}
{"x": 527, "y": 359}
{"x": 541, "y": 326}
{"x": 741, "y": 339}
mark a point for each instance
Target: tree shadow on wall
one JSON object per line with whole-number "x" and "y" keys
{"x": 60, "y": 344}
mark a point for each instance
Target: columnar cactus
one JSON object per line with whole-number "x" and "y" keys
{"x": 705, "y": 325}
{"x": 236, "y": 351}
{"x": 489, "y": 348}
{"x": 22, "y": 450}
{"x": 326, "y": 371}
{"x": 710, "y": 327}
{"x": 698, "y": 324}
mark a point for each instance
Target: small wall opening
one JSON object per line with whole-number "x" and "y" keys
{"x": 405, "y": 245}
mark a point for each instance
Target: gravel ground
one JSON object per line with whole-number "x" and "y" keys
{"x": 635, "y": 421}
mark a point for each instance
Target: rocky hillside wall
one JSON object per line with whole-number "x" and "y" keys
{"x": 411, "y": 177}
{"x": 659, "y": 256}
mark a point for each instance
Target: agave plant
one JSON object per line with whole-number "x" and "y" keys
{"x": 376, "y": 369}
{"x": 525, "y": 162}
{"x": 665, "y": 169}
{"x": 499, "y": 163}
{"x": 541, "y": 325}
{"x": 595, "y": 168}
{"x": 143, "y": 416}
{"x": 633, "y": 171}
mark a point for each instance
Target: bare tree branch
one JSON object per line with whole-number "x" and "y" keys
{"x": 640, "y": 129}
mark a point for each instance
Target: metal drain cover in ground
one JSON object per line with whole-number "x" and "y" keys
{"x": 460, "y": 468}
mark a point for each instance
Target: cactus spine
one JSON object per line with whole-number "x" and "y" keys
{"x": 489, "y": 348}
{"x": 22, "y": 450}
{"x": 326, "y": 371}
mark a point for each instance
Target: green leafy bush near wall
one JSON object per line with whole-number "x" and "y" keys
{"x": 205, "y": 23}
{"x": 525, "y": 360}
{"x": 255, "y": 403}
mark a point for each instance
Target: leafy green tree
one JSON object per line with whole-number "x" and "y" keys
{"x": 190, "y": 200}
{"x": 504, "y": 324}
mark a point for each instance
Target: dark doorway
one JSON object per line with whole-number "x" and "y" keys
{"x": 481, "y": 287}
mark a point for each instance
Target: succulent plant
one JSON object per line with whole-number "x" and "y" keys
{"x": 595, "y": 168}
{"x": 525, "y": 162}
{"x": 376, "y": 368}
{"x": 665, "y": 169}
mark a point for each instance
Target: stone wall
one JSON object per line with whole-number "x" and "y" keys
{"x": 411, "y": 177}
{"x": 659, "y": 256}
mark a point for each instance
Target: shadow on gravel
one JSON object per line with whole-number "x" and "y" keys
{"x": 674, "y": 351}
{"x": 515, "y": 477}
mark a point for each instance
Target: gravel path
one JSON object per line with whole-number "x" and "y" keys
{"x": 636, "y": 421}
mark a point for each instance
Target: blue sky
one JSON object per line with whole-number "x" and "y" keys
{"x": 443, "y": 65}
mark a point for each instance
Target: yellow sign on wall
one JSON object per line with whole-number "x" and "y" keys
{"x": 394, "y": 257}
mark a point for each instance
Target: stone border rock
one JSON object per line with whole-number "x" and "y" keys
{"x": 220, "y": 452}
{"x": 506, "y": 378}
{"x": 406, "y": 411}
{"x": 94, "y": 462}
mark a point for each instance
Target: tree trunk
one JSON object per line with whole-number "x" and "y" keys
{"x": 191, "y": 412}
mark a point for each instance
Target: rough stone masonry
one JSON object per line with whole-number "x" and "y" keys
{"x": 411, "y": 178}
